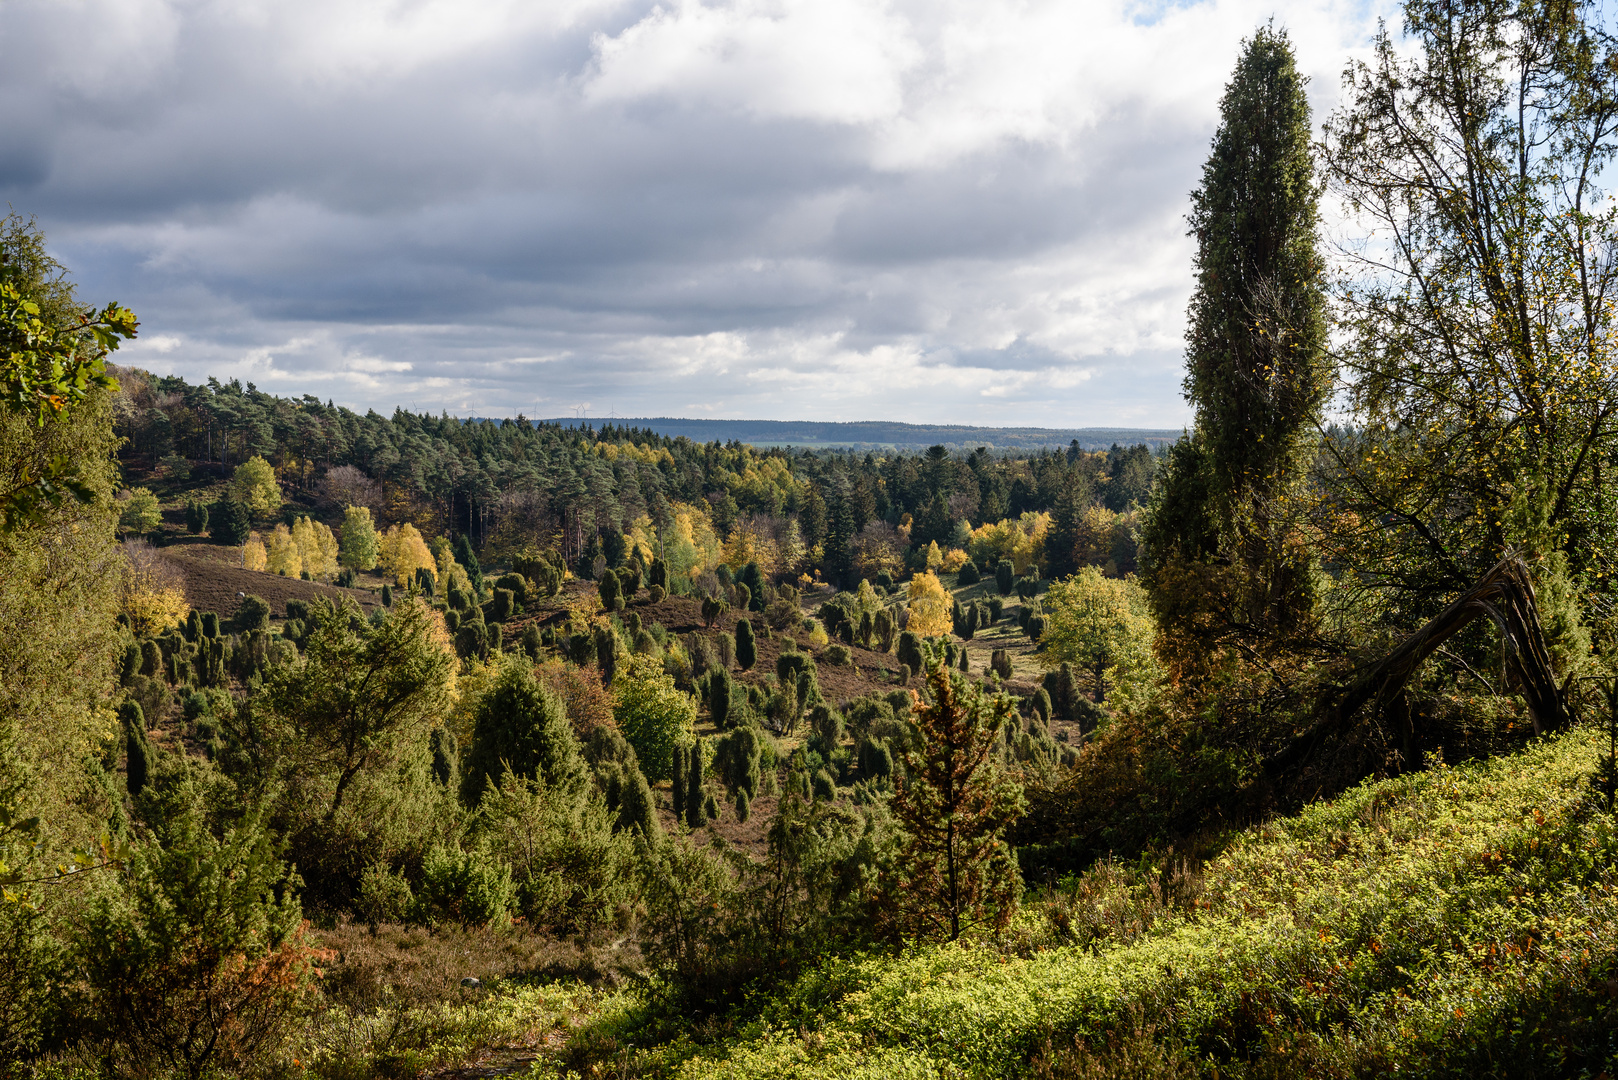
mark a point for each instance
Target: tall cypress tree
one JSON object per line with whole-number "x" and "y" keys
{"x": 1218, "y": 562}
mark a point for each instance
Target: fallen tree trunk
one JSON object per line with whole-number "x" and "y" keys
{"x": 1506, "y": 595}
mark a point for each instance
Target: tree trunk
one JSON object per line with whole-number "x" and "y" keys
{"x": 1506, "y": 595}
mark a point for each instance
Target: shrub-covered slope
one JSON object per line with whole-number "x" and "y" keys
{"x": 1457, "y": 921}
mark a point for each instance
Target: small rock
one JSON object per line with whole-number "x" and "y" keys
{"x": 471, "y": 982}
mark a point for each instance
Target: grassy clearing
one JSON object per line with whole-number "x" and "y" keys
{"x": 1459, "y": 921}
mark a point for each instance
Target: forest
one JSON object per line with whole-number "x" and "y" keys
{"x": 346, "y": 746}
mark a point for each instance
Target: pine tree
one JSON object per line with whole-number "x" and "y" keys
{"x": 228, "y": 523}
{"x": 954, "y": 807}
{"x": 1257, "y": 372}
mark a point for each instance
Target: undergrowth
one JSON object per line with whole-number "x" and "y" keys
{"x": 1453, "y": 922}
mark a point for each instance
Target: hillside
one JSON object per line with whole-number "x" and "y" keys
{"x": 1453, "y": 922}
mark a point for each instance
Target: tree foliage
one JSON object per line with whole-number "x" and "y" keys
{"x": 929, "y": 606}
{"x": 1478, "y": 324}
{"x": 652, "y": 713}
{"x": 1100, "y": 626}
{"x": 1226, "y": 567}
{"x": 955, "y": 869}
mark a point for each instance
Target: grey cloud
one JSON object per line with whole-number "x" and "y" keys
{"x": 473, "y": 229}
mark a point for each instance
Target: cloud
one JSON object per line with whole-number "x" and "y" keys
{"x": 829, "y": 209}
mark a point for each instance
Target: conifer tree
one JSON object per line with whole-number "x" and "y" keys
{"x": 1219, "y": 561}
{"x": 611, "y": 590}
{"x": 746, "y": 648}
{"x": 521, "y": 726}
{"x": 695, "y": 817}
{"x": 228, "y": 523}
{"x": 954, "y": 806}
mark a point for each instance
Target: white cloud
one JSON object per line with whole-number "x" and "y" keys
{"x": 941, "y": 210}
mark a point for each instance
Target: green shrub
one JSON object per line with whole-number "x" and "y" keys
{"x": 387, "y": 594}
{"x": 824, "y": 786}
{"x": 752, "y": 578}
{"x": 746, "y": 648}
{"x": 737, "y": 760}
{"x": 520, "y": 725}
{"x": 969, "y": 574}
{"x": 619, "y": 779}
{"x": 469, "y": 888}
{"x": 384, "y": 896}
{"x": 694, "y": 816}
{"x": 503, "y": 607}
{"x": 228, "y": 523}
{"x": 610, "y": 589}
{"x": 253, "y": 613}
{"x": 472, "y": 640}
{"x": 909, "y": 651}
{"x": 196, "y": 517}
{"x": 875, "y": 759}
{"x": 838, "y": 656}
{"x": 882, "y": 629}
{"x": 191, "y": 958}
{"x": 1005, "y": 576}
{"x": 446, "y": 754}
{"x": 131, "y": 664}
{"x": 571, "y": 868}
{"x": 655, "y": 594}
{"x": 721, "y": 690}
{"x": 606, "y": 653}
{"x": 516, "y": 584}
{"x": 140, "y": 761}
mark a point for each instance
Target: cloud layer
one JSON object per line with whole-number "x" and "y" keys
{"x": 820, "y": 209}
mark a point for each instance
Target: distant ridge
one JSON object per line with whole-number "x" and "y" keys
{"x": 880, "y": 434}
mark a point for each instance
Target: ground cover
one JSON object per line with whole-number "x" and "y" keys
{"x": 1456, "y": 921}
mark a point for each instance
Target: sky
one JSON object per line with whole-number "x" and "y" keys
{"x": 933, "y": 211}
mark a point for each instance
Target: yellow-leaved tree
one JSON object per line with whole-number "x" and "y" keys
{"x": 153, "y": 590}
{"x": 1018, "y": 539}
{"x": 255, "y": 487}
{"x": 254, "y": 557}
{"x": 929, "y": 606}
{"x": 402, "y": 550}
{"x": 282, "y": 552}
{"x": 317, "y": 548}
{"x": 1102, "y": 627}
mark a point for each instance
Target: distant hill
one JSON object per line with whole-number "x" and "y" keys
{"x": 882, "y": 434}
